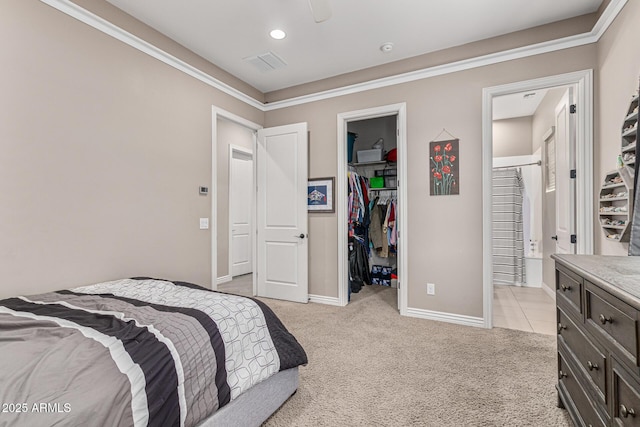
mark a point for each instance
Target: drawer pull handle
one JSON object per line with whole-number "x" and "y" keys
{"x": 561, "y": 327}
{"x": 562, "y": 374}
{"x": 592, "y": 366}
{"x": 626, "y": 412}
{"x": 604, "y": 319}
{"x": 565, "y": 288}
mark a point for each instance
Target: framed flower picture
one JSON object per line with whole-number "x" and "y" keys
{"x": 320, "y": 195}
{"x": 444, "y": 159}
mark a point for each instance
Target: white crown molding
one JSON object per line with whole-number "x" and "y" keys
{"x": 83, "y": 15}
{"x": 118, "y": 33}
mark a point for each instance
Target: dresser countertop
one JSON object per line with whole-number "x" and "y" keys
{"x": 619, "y": 275}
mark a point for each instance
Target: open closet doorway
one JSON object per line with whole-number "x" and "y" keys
{"x": 234, "y": 225}
{"x": 535, "y": 134}
{"x": 371, "y": 189}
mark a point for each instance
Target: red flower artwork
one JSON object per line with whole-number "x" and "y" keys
{"x": 444, "y": 174}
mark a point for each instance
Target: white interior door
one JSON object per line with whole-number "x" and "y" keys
{"x": 281, "y": 215}
{"x": 240, "y": 211}
{"x": 565, "y": 186}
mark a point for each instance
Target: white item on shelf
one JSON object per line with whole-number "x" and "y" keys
{"x": 365, "y": 156}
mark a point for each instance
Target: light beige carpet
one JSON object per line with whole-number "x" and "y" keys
{"x": 368, "y": 366}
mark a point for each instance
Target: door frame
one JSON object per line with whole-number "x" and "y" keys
{"x": 249, "y": 153}
{"x": 216, "y": 113}
{"x": 341, "y": 195}
{"x": 583, "y": 80}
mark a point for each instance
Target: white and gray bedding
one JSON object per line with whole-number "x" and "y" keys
{"x": 134, "y": 352}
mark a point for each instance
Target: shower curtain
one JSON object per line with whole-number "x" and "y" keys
{"x": 508, "y": 235}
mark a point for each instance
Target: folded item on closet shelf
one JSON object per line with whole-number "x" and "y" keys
{"x": 613, "y": 236}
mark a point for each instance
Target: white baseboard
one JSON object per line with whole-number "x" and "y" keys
{"x": 458, "y": 319}
{"x": 321, "y": 299}
{"x": 549, "y": 291}
{"x": 224, "y": 279}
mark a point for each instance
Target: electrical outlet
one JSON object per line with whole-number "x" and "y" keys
{"x": 431, "y": 288}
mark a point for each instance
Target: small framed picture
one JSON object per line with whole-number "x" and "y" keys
{"x": 320, "y": 195}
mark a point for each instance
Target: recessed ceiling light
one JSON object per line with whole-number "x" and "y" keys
{"x": 278, "y": 34}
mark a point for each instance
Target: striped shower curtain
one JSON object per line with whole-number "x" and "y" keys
{"x": 508, "y": 236}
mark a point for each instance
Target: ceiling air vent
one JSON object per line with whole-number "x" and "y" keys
{"x": 267, "y": 61}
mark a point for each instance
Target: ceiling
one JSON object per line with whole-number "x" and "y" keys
{"x": 523, "y": 104}
{"x": 225, "y": 32}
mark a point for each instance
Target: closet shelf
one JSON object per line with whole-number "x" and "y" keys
{"x": 613, "y": 213}
{"x": 631, "y": 117}
{"x": 381, "y": 162}
{"x": 630, "y": 132}
{"x": 614, "y": 227}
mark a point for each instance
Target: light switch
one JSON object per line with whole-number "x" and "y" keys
{"x": 204, "y": 223}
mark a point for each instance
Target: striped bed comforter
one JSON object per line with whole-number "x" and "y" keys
{"x": 134, "y": 352}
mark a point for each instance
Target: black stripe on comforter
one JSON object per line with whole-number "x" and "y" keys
{"x": 224, "y": 392}
{"x": 153, "y": 357}
{"x": 290, "y": 352}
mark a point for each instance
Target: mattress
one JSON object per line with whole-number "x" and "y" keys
{"x": 135, "y": 352}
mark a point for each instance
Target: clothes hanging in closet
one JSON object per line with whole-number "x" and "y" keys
{"x": 359, "y": 220}
{"x": 382, "y": 228}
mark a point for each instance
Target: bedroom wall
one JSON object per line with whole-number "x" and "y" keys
{"x": 619, "y": 68}
{"x": 443, "y": 232}
{"x": 512, "y": 137}
{"x": 102, "y": 152}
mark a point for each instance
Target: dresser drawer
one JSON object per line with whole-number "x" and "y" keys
{"x": 626, "y": 400}
{"x": 614, "y": 320}
{"x": 569, "y": 288}
{"x": 571, "y": 388}
{"x": 590, "y": 359}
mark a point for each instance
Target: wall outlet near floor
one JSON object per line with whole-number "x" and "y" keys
{"x": 431, "y": 288}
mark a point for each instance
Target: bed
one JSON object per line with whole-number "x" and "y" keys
{"x": 143, "y": 352}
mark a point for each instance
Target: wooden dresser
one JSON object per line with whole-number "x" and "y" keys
{"x": 598, "y": 304}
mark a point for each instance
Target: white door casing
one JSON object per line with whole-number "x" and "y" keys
{"x": 583, "y": 82}
{"x": 565, "y": 186}
{"x": 399, "y": 110}
{"x": 241, "y": 192}
{"x": 281, "y": 215}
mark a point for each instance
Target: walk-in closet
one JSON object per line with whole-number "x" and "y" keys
{"x": 372, "y": 203}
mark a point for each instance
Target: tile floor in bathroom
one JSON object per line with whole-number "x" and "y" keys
{"x": 525, "y": 309}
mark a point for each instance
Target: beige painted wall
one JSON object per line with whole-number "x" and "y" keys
{"x": 443, "y": 232}
{"x": 229, "y": 133}
{"x": 102, "y": 150}
{"x": 512, "y": 137}
{"x": 617, "y": 80}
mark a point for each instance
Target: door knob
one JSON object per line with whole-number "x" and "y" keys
{"x": 300, "y": 236}
{"x": 554, "y": 237}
